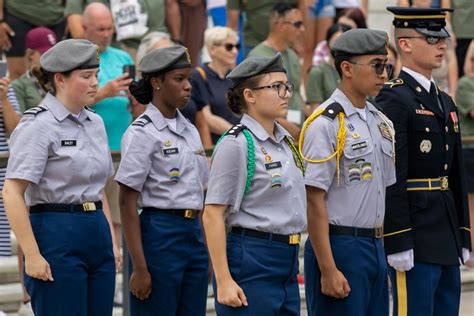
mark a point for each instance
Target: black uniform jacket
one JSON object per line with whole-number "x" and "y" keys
{"x": 428, "y": 145}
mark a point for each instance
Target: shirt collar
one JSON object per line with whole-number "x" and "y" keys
{"x": 159, "y": 121}
{"x": 59, "y": 111}
{"x": 260, "y": 132}
{"x": 346, "y": 104}
{"x": 422, "y": 80}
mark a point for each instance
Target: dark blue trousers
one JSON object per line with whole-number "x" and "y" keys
{"x": 426, "y": 290}
{"x": 78, "y": 248}
{"x": 177, "y": 260}
{"x": 266, "y": 271}
{"x": 362, "y": 262}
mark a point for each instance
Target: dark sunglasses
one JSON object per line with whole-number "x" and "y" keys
{"x": 229, "y": 46}
{"x": 432, "y": 40}
{"x": 296, "y": 24}
{"x": 378, "y": 67}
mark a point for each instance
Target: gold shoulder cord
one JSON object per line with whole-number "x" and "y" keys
{"x": 341, "y": 139}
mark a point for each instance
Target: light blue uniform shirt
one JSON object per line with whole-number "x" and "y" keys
{"x": 166, "y": 164}
{"x": 366, "y": 168}
{"x": 276, "y": 199}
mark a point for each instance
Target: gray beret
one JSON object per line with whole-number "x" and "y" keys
{"x": 69, "y": 55}
{"x": 165, "y": 59}
{"x": 254, "y": 66}
{"x": 361, "y": 42}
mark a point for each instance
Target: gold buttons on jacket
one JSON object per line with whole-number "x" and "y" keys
{"x": 447, "y": 129}
{"x": 445, "y": 166}
{"x": 427, "y": 129}
{"x": 447, "y": 147}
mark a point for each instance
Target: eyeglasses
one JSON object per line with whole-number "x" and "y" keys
{"x": 296, "y": 24}
{"x": 432, "y": 40}
{"x": 229, "y": 46}
{"x": 281, "y": 88}
{"x": 378, "y": 67}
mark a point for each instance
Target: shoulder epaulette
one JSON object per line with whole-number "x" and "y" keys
{"x": 35, "y": 111}
{"x": 142, "y": 121}
{"x": 236, "y": 129}
{"x": 332, "y": 110}
{"x": 394, "y": 82}
{"x": 89, "y": 109}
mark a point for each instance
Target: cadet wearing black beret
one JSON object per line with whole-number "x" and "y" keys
{"x": 427, "y": 230}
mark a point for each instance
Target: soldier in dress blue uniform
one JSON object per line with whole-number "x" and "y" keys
{"x": 256, "y": 188}
{"x": 59, "y": 163}
{"x": 163, "y": 171}
{"x": 349, "y": 148}
{"x": 427, "y": 221}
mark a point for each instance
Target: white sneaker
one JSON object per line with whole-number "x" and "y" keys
{"x": 25, "y": 310}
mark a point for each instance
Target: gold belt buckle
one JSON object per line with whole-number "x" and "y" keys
{"x": 444, "y": 183}
{"x": 189, "y": 213}
{"x": 294, "y": 239}
{"x": 89, "y": 206}
{"x": 378, "y": 232}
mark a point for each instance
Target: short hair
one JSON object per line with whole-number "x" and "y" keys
{"x": 280, "y": 9}
{"x": 338, "y": 61}
{"x": 218, "y": 34}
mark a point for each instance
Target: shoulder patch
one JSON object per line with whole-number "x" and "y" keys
{"x": 236, "y": 129}
{"x": 332, "y": 110}
{"x": 142, "y": 121}
{"x": 35, "y": 111}
{"x": 394, "y": 82}
{"x": 89, "y": 109}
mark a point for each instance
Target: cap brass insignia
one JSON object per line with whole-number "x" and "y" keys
{"x": 97, "y": 55}
{"x": 188, "y": 56}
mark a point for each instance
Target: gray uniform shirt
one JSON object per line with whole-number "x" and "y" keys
{"x": 276, "y": 199}
{"x": 67, "y": 160}
{"x": 167, "y": 165}
{"x": 366, "y": 168}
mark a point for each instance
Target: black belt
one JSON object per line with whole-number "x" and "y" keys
{"x": 56, "y": 207}
{"x": 287, "y": 239}
{"x": 355, "y": 231}
{"x": 186, "y": 213}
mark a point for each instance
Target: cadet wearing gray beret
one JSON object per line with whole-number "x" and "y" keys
{"x": 255, "y": 66}
{"x": 70, "y": 55}
{"x": 361, "y": 42}
{"x": 165, "y": 59}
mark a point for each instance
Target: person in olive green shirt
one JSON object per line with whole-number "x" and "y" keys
{"x": 463, "y": 27}
{"x": 257, "y": 14}
{"x": 465, "y": 103}
{"x": 286, "y": 25}
{"x": 73, "y": 13}
{"x": 20, "y": 16}
{"x": 323, "y": 79}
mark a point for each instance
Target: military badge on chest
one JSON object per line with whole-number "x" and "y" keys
{"x": 385, "y": 131}
{"x": 454, "y": 119}
{"x": 425, "y": 146}
{"x": 272, "y": 168}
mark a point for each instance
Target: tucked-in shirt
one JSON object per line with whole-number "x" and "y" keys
{"x": 293, "y": 72}
{"x": 166, "y": 164}
{"x": 211, "y": 90}
{"x": 357, "y": 197}
{"x": 276, "y": 199}
{"x": 322, "y": 81}
{"x": 114, "y": 111}
{"x": 67, "y": 160}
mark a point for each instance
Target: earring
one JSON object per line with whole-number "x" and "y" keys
{"x": 158, "y": 88}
